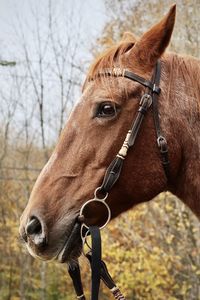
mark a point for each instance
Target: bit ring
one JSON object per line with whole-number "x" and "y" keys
{"x": 98, "y": 201}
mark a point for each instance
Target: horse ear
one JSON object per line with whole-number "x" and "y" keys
{"x": 153, "y": 43}
{"x": 129, "y": 36}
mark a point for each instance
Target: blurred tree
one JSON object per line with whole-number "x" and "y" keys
{"x": 37, "y": 97}
{"x": 137, "y": 16}
{"x": 153, "y": 251}
{"x": 5, "y": 63}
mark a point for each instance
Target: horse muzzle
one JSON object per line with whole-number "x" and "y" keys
{"x": 61, "y": 243}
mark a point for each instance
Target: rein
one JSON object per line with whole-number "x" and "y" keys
{"x": 98, "y": 267}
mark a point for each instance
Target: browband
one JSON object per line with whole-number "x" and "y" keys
{"x": 118, "y": 72}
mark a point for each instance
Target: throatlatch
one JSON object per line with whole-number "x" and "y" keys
{"x": 98, "y": 267}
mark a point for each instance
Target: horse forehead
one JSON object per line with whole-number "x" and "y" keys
{"x": 107, "y": 87}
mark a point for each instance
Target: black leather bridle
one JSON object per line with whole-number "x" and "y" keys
{"x": 149, "y": 99}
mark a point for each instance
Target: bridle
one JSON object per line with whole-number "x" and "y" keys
{"x": 149, "y": 99}
{"x": 98, "y": 267}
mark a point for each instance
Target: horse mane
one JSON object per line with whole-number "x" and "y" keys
{"x": 188, "y": 68}
{"x": 112, "y": 57}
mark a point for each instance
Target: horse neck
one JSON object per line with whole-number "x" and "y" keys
{"x": 183, "y": 112}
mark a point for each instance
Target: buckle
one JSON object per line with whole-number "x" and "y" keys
{"x": 146, "y": 101}
{"x": 162, "y": 143}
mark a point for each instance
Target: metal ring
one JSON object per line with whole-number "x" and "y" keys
{"x": 161, "y": 141}
{"x": 102, "y": 201}
{"x": 96, "y": 197}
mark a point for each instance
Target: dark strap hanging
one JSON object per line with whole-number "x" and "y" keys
{"x": 95, "y": 261}
{"x": 98, "y": 268}
{"x": 74, "y": 272}
{"x": 107, "y": 279}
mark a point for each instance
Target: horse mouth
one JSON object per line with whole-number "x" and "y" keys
{"x": 72, "y": 247}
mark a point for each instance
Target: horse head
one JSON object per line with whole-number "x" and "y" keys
{"x": 93, "y": 135}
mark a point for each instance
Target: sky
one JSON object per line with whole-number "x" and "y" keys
{"x": 92, "y": 14}
{"x": 81, "y": 20}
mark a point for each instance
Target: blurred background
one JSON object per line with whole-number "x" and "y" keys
{"x": 153, "y": 251}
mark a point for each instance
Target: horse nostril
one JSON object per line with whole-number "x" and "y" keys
{"x": 36, "y": 232}
{"x": 34, "y": 226}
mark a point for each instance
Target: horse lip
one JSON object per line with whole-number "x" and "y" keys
{"x": 70, "y": 244}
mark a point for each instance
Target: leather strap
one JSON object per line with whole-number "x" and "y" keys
{"x": 141, "y": 80}
{"x": 112, "y": 174}
{"x": 95, "y": 261}
{"x": 114, "y": 170}
{"x": 74, "y": 272}
{"x": 107, "y": 279}
{"x": 161, "y": 141}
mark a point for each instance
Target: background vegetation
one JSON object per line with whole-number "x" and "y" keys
{"x": 153, "y": 251}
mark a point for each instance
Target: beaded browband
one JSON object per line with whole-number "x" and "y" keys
{"x": 119, "y": 72}
{"x": 115, "y": 72}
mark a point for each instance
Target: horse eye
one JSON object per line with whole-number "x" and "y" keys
{"x": 106, "y": 110}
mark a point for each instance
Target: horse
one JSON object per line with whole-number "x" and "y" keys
{"x": 95, "y": 132}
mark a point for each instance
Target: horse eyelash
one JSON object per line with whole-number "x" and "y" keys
{"x": 99, "y": 105}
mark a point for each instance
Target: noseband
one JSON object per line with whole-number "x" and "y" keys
{"x": 149, "y": 99}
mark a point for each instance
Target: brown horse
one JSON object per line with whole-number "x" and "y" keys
{"x": 95, "y": 132}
